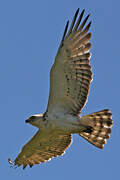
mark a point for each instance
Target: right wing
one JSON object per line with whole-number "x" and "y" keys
{"x": 42, "y": 147}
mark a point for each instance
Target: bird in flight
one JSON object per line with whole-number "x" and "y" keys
{"x": 70, "y": 79}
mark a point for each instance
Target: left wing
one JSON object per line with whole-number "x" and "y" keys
{"x": 71, "y": 73}
{"x": 42, "y": 147}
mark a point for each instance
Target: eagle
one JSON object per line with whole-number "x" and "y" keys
{"x": 70, "y": 79}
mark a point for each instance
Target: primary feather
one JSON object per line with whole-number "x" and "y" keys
{"x": 70, "y": 79}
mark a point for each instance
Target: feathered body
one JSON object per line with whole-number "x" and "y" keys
{"x": 70, "y": 79}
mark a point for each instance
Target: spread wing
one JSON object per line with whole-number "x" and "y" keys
{"x": 71, "y": 73}
{"x": 42, "y": 147}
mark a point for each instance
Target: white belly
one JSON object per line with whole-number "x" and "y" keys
{"x": 65, "y": 122}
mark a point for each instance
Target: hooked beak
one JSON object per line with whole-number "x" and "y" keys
{"x": 27, "y": 120}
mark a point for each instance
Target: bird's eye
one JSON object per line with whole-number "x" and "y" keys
{"x": 32, "y": 117}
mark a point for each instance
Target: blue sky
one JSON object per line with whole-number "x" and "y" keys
{"x": 30, "y": 33}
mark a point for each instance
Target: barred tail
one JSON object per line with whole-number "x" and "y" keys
{"x": 98, "y": 127}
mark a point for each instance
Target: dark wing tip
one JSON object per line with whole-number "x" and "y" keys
{"x": 90, "y": 23}
{"x": 87, "y": 17}
{"x": 24, "y": 166}
{"x": 77, "y": 10}
{"x": 74, "y": 26}
{"x": 87, "y": 27}
{"x": 73, "y": 22}
{"x": 83, "y": 11}
{"x": 64, "y": 34}
{"x": 67, "y": 23}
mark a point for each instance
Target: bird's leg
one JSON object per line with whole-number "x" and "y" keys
{"x": 11, "y": 164}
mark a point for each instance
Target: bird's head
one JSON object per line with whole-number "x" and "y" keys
{"x": 35, "y": 120}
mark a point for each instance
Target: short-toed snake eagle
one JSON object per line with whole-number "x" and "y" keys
{"x": 70, "y": 79}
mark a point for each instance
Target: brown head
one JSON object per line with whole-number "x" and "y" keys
{"x": 35, "y": 120}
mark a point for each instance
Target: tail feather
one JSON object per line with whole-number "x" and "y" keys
{"x": 98, "y": 127}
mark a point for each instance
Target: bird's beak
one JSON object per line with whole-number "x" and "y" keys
{"x": 27, "y": 120}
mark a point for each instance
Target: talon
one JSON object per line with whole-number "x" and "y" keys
{"x": 10, "y": 161}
